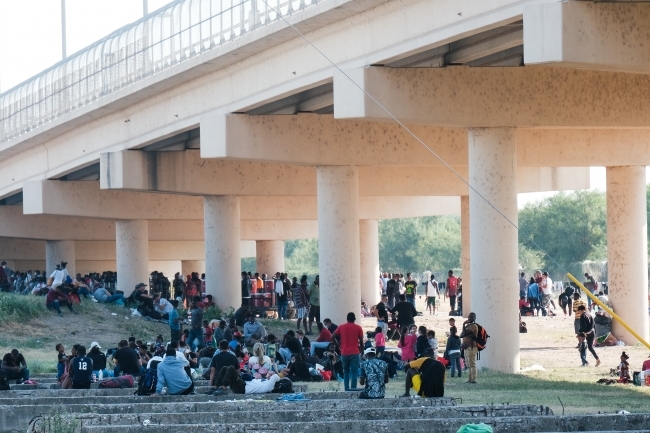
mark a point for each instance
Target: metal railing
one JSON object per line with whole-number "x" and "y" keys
{"x": 157, "y": 42}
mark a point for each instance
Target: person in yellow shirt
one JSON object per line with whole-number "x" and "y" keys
{"x": 426, "y": 375}
{"x": 577, "y": 302}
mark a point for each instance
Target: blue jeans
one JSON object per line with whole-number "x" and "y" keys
{"x": 114, "y": 298}
{"x": 83, "y": 292}
{"x": 454, "y": 360}
{"x": 317, "y": 345}
{"x": 23, "y": 374}
{"x": 282, "y": 309}
{"x": 60, "y": 369}
{"x": 350, "y": 370}
{"x": 286, "y": 354}
{"x": 411, "y": 300}
{"x": 195, "y": 333}
{"x": 56, "y": 306}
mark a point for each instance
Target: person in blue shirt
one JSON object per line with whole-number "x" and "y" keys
{"x": 534, "y": 295}
{"x": 175, "y": 321}
{"x": 172, "y": 374}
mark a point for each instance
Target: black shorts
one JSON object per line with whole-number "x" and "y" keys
{"x": 80, "y": 385}
{"x": 314, "y": 313}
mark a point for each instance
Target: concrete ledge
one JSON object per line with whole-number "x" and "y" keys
{"x": 501, "y": 425}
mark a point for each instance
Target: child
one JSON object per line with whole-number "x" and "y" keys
{"x": 380, "y": 342}
{"x": 452, "y": 323}
{"x": 582, "y": 348}
{"x": 60, "y": 367}
{"x": 433, "y": 342}
{"x": 207, "y": 334}
{"x": 185, "y": 336}
{"x": 453, "y": 351}
{"x": 407, "y": 344}
{"x": 422, "y": 343}
{"x": 624, "y": 367}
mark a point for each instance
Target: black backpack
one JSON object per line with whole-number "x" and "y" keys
{"x": 4, "y": 382}
{"x": 147, "y": 382}
{"x": 283, "y": 386}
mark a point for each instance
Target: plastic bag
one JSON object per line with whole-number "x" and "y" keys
{"x": 475, "y": 428}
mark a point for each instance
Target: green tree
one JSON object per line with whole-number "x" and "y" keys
{"x": 568, "y": 227}
{"x": 418, "y": 244}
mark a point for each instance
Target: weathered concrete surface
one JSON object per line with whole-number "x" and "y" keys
{"x": 442, "y": 425}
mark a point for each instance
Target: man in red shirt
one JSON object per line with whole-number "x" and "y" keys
{"x": 350, "y": 336}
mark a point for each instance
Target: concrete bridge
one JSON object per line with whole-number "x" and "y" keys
{"x": 196, "y": 128}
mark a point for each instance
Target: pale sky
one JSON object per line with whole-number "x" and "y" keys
{"x": 30, "y": 42}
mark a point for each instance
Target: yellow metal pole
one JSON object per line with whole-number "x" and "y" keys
{"x": 609, "y": 310}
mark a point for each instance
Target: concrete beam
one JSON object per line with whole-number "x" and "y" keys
{"x": 13, "y": 224}
{"x": 85, "y": 199}
{"x": 313, "y": 139}
{"x": 496, "y": 97}
{"x": 322, "y": 140}
{"x": 587, "y": 35}
{"x": 186, "y": 173}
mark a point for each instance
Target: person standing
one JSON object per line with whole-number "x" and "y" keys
{"x": 577, "y": 312}
{"x": 382, "y": 314}
{"x": 547, "y": 291}
{"x": 406, "y": 312}
{"x": 374, "y": 376}
{"x": 282, "y": 296}
{"x": 174, "y": 321}
{"x": 302, "y": 303}
{"x": 391, "y": 289}
{"x": 533, "y": 295}
{"x": 431, "y": 294}
{"x": 523, "y": 285}
{"x": 587, "y": 327}
{"x": 196, "y": 330}
{"x": 452, "y": 286}
{"x": 350, "y": 336}
{"x": 469, "y": 334}
{"x": 411, "y": 288}
{"x": 314, "y": 302}
{"x": 246, "y": 288}
{"x": 81, "y": 369}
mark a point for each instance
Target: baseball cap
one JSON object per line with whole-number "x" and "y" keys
{"x": 369, "y": 350}
{"x": 95, "y": 344}
{"x": 140, "y": 285}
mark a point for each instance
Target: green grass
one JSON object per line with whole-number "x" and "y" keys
{"x": 18, "y": 308}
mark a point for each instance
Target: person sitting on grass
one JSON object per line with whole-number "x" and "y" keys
{"x": 81, "y": 369}
{"x": 229, "y": 377}
{"x": 104, "y": 296}
{"x": 56, "y": 298}
{"x": 172, "y": 374}
{"x": 426, "y": 376}
{"x": 99, "y": 361}
{"x": 15, "y": 366}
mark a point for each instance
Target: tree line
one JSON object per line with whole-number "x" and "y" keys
{"x": 558, "y": 234}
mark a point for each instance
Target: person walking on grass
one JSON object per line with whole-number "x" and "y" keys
{"x": 452, "y": 287}
{"x": 587, "y": 327}
{"x": 469, "y": 334}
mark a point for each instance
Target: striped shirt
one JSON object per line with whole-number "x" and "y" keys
{"x": 576, "y": 304}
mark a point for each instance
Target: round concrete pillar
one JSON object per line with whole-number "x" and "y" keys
{"x": 465, "y": 255}
{"x": 57, "y": 252}
{"x": 269, "y": 257}
{"x": 627, "y": 249}
{"x": 132, "y": 253}
{"x": 493, "y": 241}
{"x": 189, "y": 266}
{"x": 339, "y": 260}
{"x": 222, "y": 256}
{"x": 369, "y": 247}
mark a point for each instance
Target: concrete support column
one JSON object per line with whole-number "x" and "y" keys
{"x": 222, "y": 255}
{"x": 189, "y": 266}
{"x": 57, "y": 252}
{"x": 369, "y": 247}
{"x": 493, "y": 240}
{"x": 269, "y": 257}
{"x": 132, "y": 253}
{"x": 627, "y": 253}
{"x": 339, "y": 260}
{"x": 465, "y": 255}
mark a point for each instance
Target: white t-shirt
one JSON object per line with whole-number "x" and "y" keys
{"x": 261, "y": 386}
{"x": 549, "y": 286}
{"x": 58, "y": 277}
{"x": 255, "y": 360}
{"x": 166, "y": 306}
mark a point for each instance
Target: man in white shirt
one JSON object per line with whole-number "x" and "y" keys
{"x": 162, "y": 305}
{"x": 58, "y": 276}
{"x": 547, "y": 289}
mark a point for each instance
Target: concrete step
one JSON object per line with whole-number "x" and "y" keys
{"x": 17, "y": 416}
{"x": 595, "y": 423}
{"x": 54, "y": 384}
{"x": 283, "y": 414}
